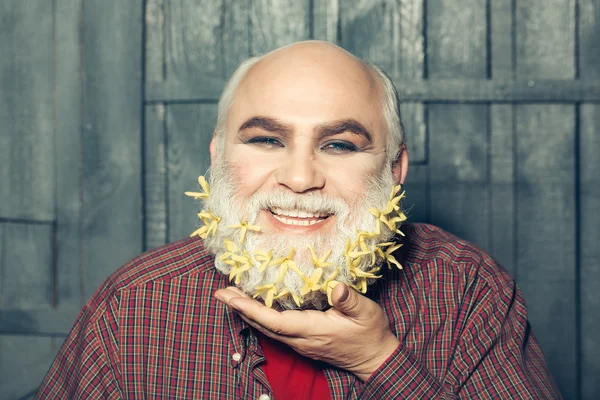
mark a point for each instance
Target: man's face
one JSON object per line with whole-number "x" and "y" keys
{"x": 303, "y": 158}
{"x": 305, "y": 126}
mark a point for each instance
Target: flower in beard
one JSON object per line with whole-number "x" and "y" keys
{"x": 277, "y": 273}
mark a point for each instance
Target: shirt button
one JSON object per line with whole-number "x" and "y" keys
{"x": 236, "y": 356}
{"x": 264, "y": 397}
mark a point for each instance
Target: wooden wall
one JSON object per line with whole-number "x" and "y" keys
{"x": 107, "y": 109}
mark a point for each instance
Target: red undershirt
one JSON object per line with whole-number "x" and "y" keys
{"x": 290, "y": 375}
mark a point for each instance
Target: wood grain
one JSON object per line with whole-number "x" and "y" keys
{"x": 68, "y": 102}
{"x": 189, "y": 132}
{"x": 545, "y": 177}
{"x": 459, "y": 197}
{"x": 325, "y": 20}
{"x": 545, "y": 41}
{"x": 24, "y": 360}
{"x": 27, "y": 276}
{"x": 155, "y": 177}
{"x": 589, "y": 256}
{"x": 26, "y": 110}
{"x": 459, "y": 139}
{"x": 276, "y": 23}
{"x": 112, "y": 198}
{"x": 589, "y": 204}
{"x": 502, "y": 182}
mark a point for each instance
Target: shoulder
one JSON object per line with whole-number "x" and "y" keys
{"x": 172, "y": 262}
{"x": 431, "y": 250}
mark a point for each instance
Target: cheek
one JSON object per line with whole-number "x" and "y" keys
{"x": 253, "y": 171}
{"x": 347, "y": 178}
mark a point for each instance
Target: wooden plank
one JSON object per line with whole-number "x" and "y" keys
{"x": 589, "y": 256}
{"x": 27, "y": 173}
{"x": 502, "y": 209}
{"x": 189, "y": 132}
{"x": 545, "y": 41}
{"x": 112, "y": 223}
{"x": 458, "y": 133}
{"x": 155, "y": 41}
{"x": 431, "y": 90}
{"x": 459, "y": 199}
{"x": 276, "y": 23}
{"x": 67, "y": 146}
{"x": 236, "y": 34}
{"x": 589, "y": 32}
{"x": 390, "y": 34}
{"x": 502, "y": 191}
{"x": 501, "y": 39}
{"x": 417, "y": 193}
{"x": 589, "y": 204}
{"x": 545, "y": 203}
{"x": 456, "y": 39}
{"x": 325, "y": 20}
{"x": 38, "y": 321}
{"x": 24, "y": 361}
{"x": 27, "y": 259}
{"x": 155, "y": 177}
{"x": 204, "y": 40}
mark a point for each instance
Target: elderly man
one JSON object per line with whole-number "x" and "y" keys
{"x": 332, "y": 297}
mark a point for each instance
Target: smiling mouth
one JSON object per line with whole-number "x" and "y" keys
{"x": 298, "y": 217}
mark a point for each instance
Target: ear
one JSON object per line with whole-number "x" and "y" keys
{"x": 212, "y": 148}
{"x": 400, "y": 166}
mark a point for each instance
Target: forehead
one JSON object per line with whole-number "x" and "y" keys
{"x": 309, "y": 89}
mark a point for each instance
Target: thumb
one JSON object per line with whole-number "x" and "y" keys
{"x": 347, "y": 301}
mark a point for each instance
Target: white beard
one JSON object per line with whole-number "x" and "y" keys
{"x": 350, "y": 219}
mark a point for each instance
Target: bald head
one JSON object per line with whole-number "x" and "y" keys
{"x": 316, "y": 80}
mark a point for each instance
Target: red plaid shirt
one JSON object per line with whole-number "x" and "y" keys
{"x": 154, "y": 330}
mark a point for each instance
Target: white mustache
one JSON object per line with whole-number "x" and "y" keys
{"x": 313, "y": 202}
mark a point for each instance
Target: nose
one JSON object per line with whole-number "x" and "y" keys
{"x": 300, "y": 173}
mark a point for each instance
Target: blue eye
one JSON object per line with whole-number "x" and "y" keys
{"x": 264, "y": 141}
{"x": 340, "y": 147}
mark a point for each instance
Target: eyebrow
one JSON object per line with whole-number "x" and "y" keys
{"x": 267, "y": 124}
{"x": 323, "y": 130}
{"x": 341, "y": 126}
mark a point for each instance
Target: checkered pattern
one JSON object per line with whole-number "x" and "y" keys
{"x": 154, "y": 330}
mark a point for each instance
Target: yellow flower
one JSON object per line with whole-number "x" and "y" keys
{"x": 285, "y": 263}
{"x": 387, "y": 255}
{"x": 312, "y": 284}
{"x": 297, "y": 299}
{"x": 330, "y": 286}
{"x": 270, "y": 291}
{"x": 210, "y": 221}
{"x": 352, "y": 257}
{"x": 204, "y": 186}
{"x": 320, "y": 262}
{"x": 359, "y": 273}
{"x": 361, "y": 286}
{"x": 395, "y": 200}
{"x": 244, "y": 227}
{"x": 239, "y": 265}
{"x": 264, "y": 257}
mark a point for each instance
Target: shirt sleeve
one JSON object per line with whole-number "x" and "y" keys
{"x": 86, "y": 366}
{"x": 497, "y": 356}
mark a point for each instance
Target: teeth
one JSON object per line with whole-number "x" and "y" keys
{"x": 303, "y": 214}
{"x": 296, "y": 221}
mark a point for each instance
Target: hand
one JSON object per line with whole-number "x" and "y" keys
{"x": 353, "y": 335}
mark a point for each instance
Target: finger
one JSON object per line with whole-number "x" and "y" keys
{"x": 225, "y": 295}
{"x": 349, "y": 302}
{"x": 286, "y": 323}
{"x": 238, "y": 290}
